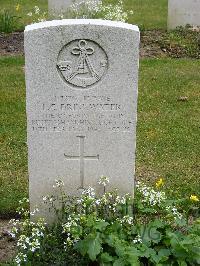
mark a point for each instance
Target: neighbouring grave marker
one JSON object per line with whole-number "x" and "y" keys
{"x": 183, "y": 12}
{"x": 59, "y": 7}
{"x": 81, "y": 81}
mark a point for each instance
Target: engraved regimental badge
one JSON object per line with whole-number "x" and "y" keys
{"x": 82, "y": 63}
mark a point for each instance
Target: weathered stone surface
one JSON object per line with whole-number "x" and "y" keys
{"x": 81, "y": 80}
{"x": 183, "y": 12}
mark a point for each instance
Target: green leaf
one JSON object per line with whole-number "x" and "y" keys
{"x": 133, "y": 260}
{"x": 132, "y": 255}
{"x": 119, "y": 262}
{"x": 115, "y": 227}
{"x": 146, "y": 251}
{"x": 182, "y": 263}
{"x": 164, "y": 252}
{"x": 106, "y": 264}
{"x": 94, "y": 247}
{"x": 110, "y": 240}
{"x": 82, "y": 247}
{"x": 101, "y": 225}
{"x": 158, "y": 224}
{"x": 163, "y": 255}
{"x": 91, "y": 220}
{"x": 120, "y": 248}
{"x": 105, "y": 257}
{"x": 90, "y": 245}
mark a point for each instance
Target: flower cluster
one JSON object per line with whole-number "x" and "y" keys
{"x": 89, "y": 193}
{"x": 104, "y": 180}
{"x": 37, "y": 15}
{"x": 97, "y": 9}
{"x": 58, "y": 183}
{"x": 36, "y": 210}
{"x": 20, "y": 258}
{"x": 137, "y": 240}
{"x": 15, "y": 228}
{"x": 48, "y": 199}
{"x": 175, "y": 213}
{"x": 126, "y": 220}
{"x": 30, "y": 235}
{"x": 90, "y": 5}
{"x": 115, "y": 12}
{"x": 106, "y": 222}
{"x": 71, "y": 228}
{"x": 150, "y": 196}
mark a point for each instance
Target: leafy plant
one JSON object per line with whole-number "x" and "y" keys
{"x": 109, "y": 230}
{"x": 8, "y": 21}
{"x": 181, "y": 42}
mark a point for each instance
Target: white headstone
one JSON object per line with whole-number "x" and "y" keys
{"x": 59, "y": 7}
{"x": 183, "y": 12}
{"x": 82, "y": 83}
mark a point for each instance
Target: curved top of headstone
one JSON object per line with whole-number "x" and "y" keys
{"x": 99, "y": 22}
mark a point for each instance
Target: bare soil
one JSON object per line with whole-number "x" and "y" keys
{"x": 153, "y": 45}
{"x": 7, "y": 244}
{"x": 149, "y": 45}
{"x": 12, "y": 44}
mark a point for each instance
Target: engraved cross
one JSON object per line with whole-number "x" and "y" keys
{"x": 82, "y": 157}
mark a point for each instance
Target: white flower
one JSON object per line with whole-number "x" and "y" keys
{"x": 34, "y": 211}
{"x": 33, "y": 249}
{"x": 104, "y": 199}
{"x": 14, "y": 222}
{"x": 103, "y": 180}
{"x": 65, "y": 246}
{"x": 30, "y": 14}
{"x": 24, "y": 200}
{"x": 138, "y": 239}
{"x": 58, "y": 183}
{"x": 79, "y": 201}
{"x": 98, "y": 202}
{"x": 89, "y": 193}
{"x": 41, "y": 20}
{"x": 120, "y": 200}
{"x": 12, "y": 234}
{"x": 44, "y": 198}
{"x": 150, "y": 196}
{"x": 127, "y": 219}
{"x": 67, "y": 226}
{"x": 20, "y": 258}
{"x": 90, "y": 8}
{"x": 175, "y": 212}
{"x": 37, "y": 10}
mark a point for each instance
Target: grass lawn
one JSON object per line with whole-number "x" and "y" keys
{"x": 168, "y": 142}
{"x": 13, "y": 151}
{"x": 25, "y": 6}
{"x": 148, "y": 14}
